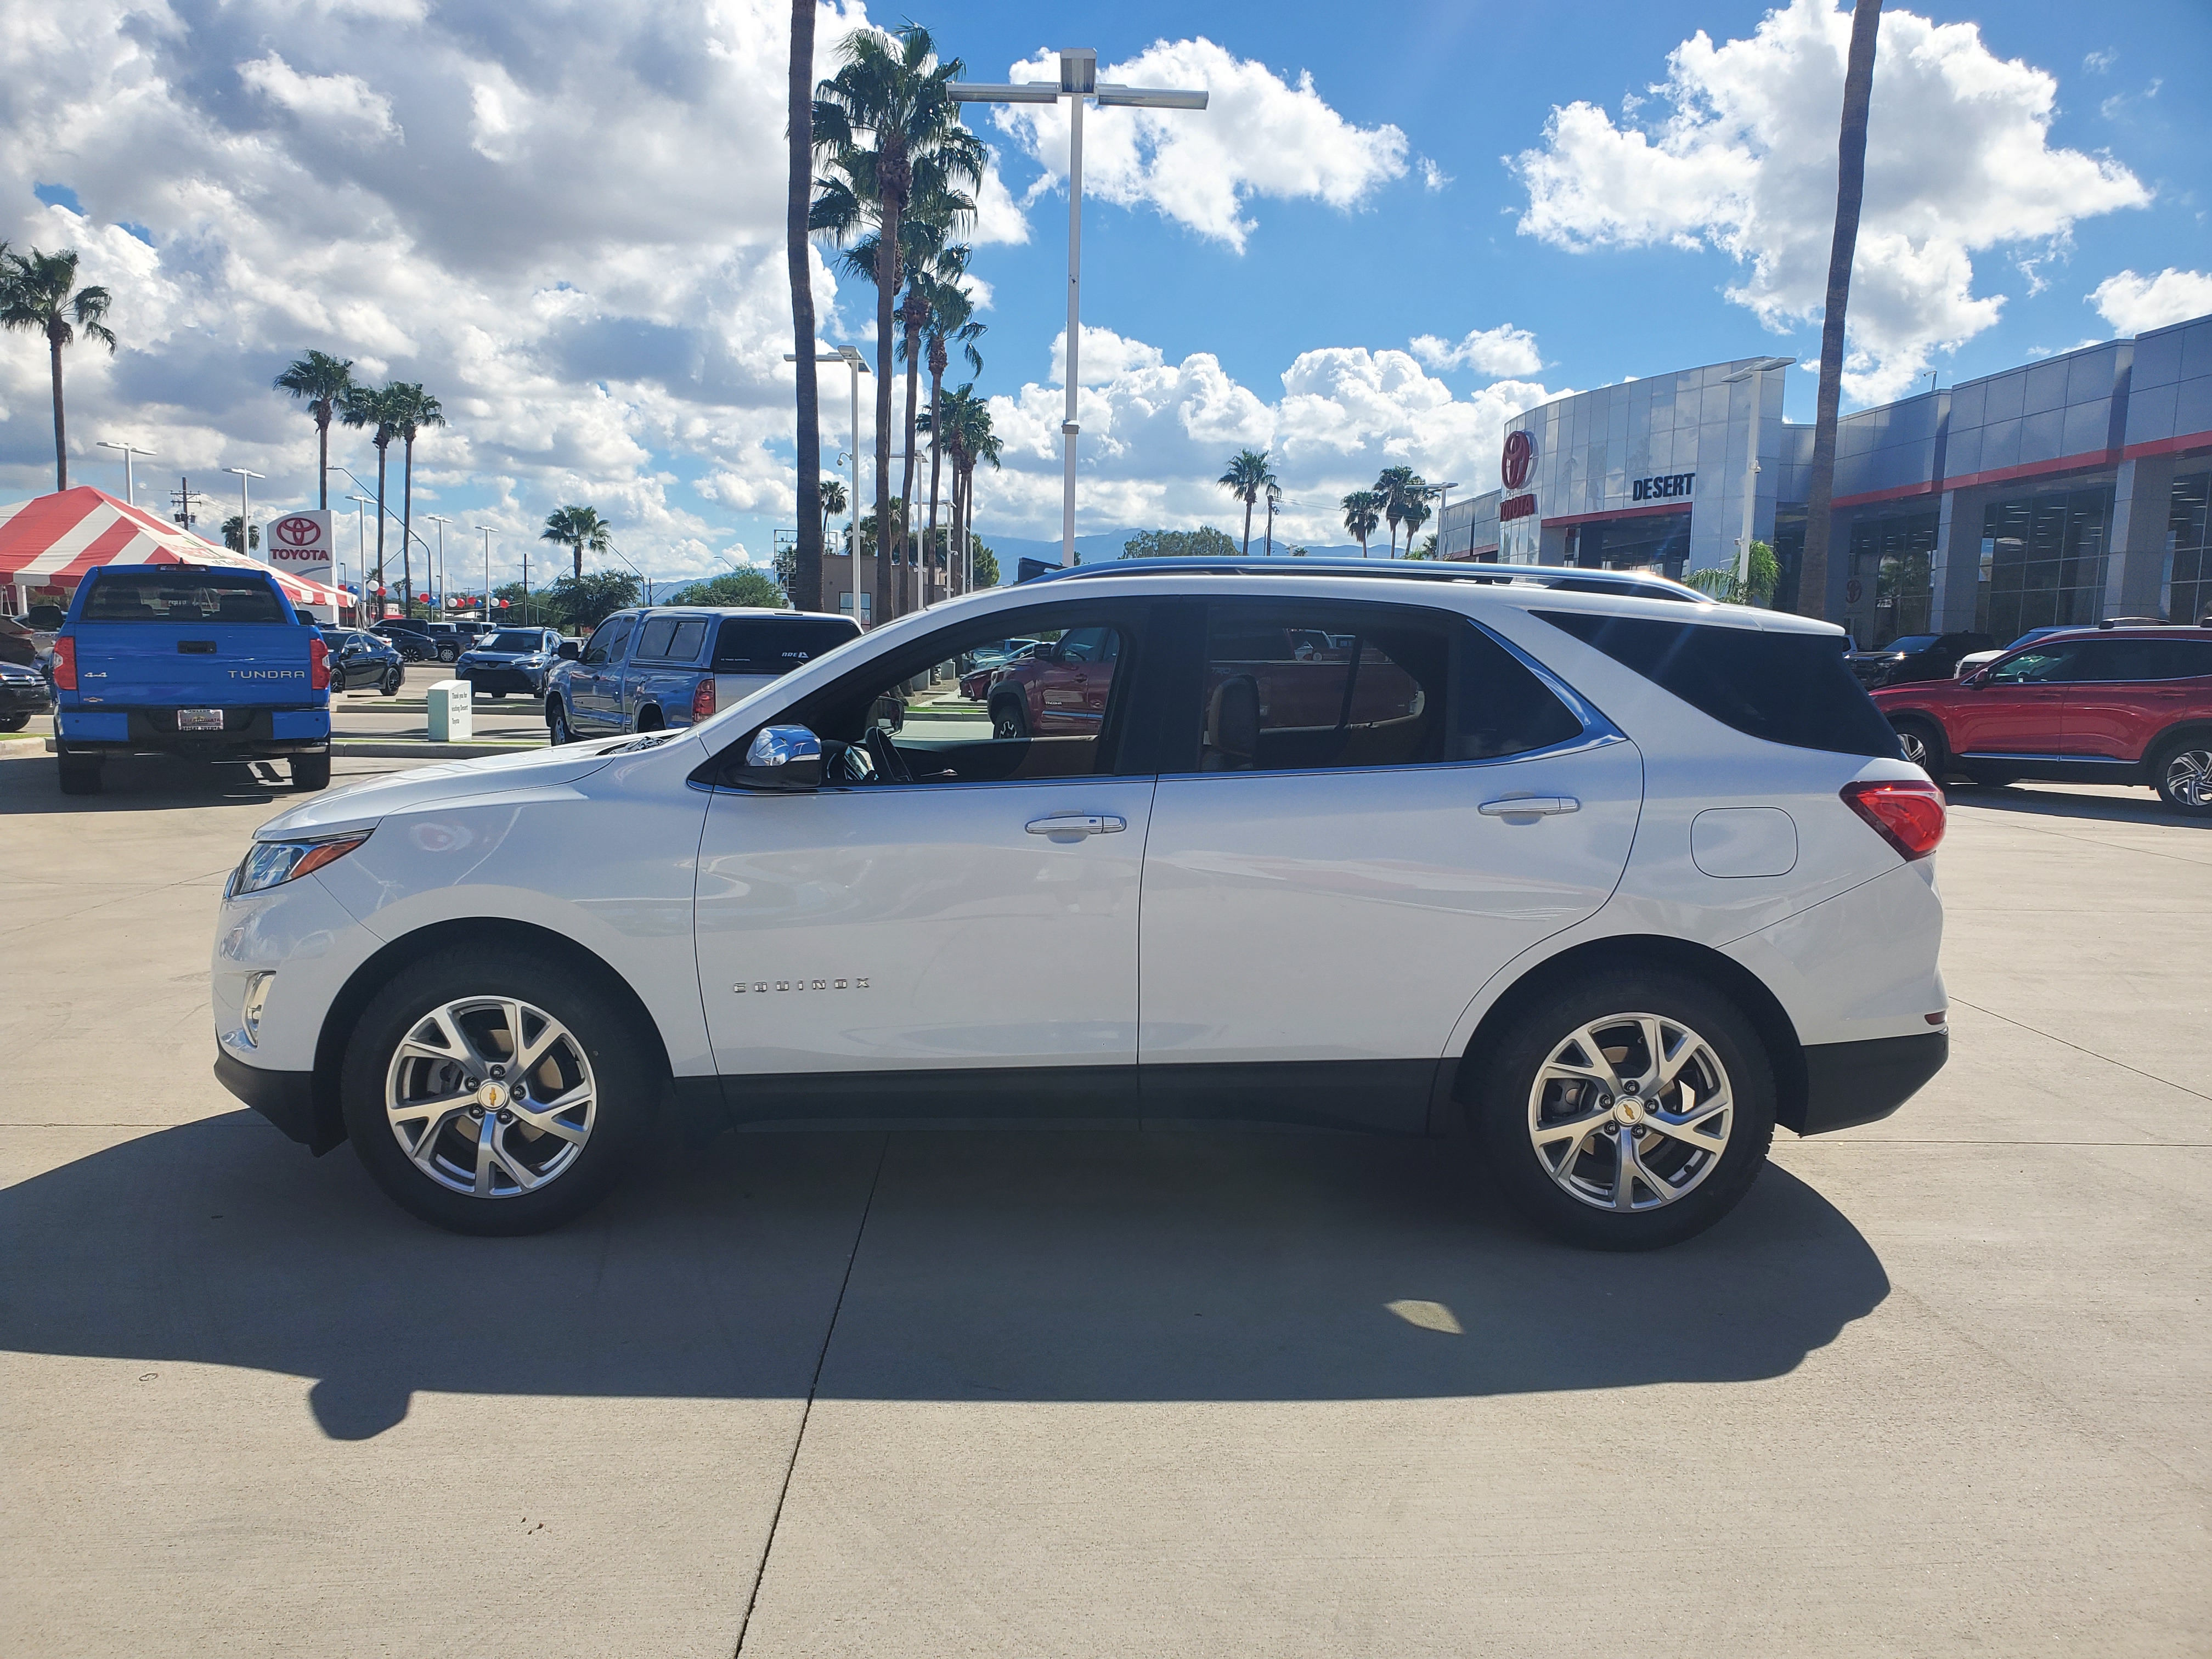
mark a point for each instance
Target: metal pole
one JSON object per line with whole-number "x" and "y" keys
{"x": 1068, "y": 428}
{"x": 852, "y": 501}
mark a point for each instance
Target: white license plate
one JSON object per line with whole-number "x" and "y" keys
{"x": 199, "y": 720}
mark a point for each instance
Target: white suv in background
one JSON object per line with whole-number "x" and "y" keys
{"x": 1623, "y": 877}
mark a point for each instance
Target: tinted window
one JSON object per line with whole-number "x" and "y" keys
{"x": 765, "y": 645}
{"x": 691, "y": 638}
{"x": 652, "y": 639}
{"x": 1792, "y": 688}
{"x": 2142, "y": 659}
{"x": 183, "y": 596}
{"x": 515, "y": 640}
{"x": 1912, "y": 642}
{"x": 2038, "y": 665}
{"x": 607, "y": 641}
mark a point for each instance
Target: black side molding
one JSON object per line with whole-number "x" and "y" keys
{"x": 1848, "y": 1083}
{"x": 287, "y": 1099}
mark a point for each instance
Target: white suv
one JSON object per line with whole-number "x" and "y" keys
{"x": 1622, "y": 877}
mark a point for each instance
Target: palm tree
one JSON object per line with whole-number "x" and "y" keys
{"x": 1851, "y": 190}
{"x": 323, "y": 381}
{"x": 577, "y": 527}
{"x": 805, "y": 587}
{"x": 35, "y": 296}
{"x": 834, "y": 506}
{"x": 951, "y": 322}
{"x": 968, "y": 439}
{"x": 1248, "y": 478}
{"x": 412, "y": 412}
{"x": 1415, "y": 513}
{"x": 379, "y": 410}
{"x": 239, "y": 535}
{"x": 890, "y": 89}
{"x": 1362, "y": 512}
{"x": 1400, "y": 488}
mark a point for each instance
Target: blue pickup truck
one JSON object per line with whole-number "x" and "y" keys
{"x": 668, "y": 667}
{"x": 208, "y": 662}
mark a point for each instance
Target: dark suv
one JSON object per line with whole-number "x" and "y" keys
{"x": 1915, "y": 657}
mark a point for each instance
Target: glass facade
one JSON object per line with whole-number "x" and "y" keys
{"x": 1893, "y": 561}
{"x": 1658, "y": 542}
{"x": 2187, "y": 587}
{"x": 2043, "y": 561}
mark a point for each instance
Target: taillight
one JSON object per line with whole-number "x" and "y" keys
{"x": 65, "y": 664}
{"x": 318, "y": 663}
{"x": 1908, "y": 816}
{"x": 703, "y": 699}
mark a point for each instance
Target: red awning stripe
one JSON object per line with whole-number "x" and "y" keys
{"x": 55, "y": 539}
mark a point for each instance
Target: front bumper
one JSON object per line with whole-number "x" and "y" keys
{"x": 498, "y": 677}
{"x": 287, "y": 1099}
{"x": 1848, "y": 1083}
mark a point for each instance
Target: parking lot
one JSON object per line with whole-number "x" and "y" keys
{"x": 1937, "y": 1385}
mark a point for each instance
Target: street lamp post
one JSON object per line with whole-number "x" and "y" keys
{"x": 441, "y": 521}
{"x": 857, "y": 365}
{"x": 130, "y": 484}
{"x": 486, "y": 529}
{"x": 245, "y": 506}
{"x": 361, "y": 505}
{"x": 1756, "y": 374}
{"x": 1079, "y": 79}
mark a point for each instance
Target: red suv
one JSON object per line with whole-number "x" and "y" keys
{"x": 2124, "y": 705}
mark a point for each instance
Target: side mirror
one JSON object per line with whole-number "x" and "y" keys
{"x": 568, "y": 651}
{"x": 786, "y": 759}
{"x": 1976, "y": 680}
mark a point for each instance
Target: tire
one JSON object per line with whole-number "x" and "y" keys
{"x": 1010, "y": 719}
{"x": 496, "y": 697}
{"x": 1924, "y": 745}
{"x": 448, "y": 653}
{"x": 311, "y": 771}
{"x": 394, "y": 679}
{"x": 649, "y": 720}
{"x": 337, "y": 681}
{"x": 1538, "y": 1081}
{"x": 79, "y": 775}
{"x": 2182, "y": 774}
{"x": 529, "y": 1183}
{"x": 13, "y": 722}
{"x": 557, "y": 730}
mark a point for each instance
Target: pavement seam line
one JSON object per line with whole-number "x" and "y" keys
{"x": 2022, "y": 1026}
{"x": 775, "y": 1520}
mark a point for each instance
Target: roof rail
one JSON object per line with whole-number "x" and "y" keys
{"x": 1633, "y": 584}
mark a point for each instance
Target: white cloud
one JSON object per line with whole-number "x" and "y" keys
{"x": 342, "y": 101}
{"x": 1105, "y": 356}
{"x": 1432, "y": 176}
{"x": 2097, "y": 62}
{"x": 1156, "y": 434}
{"x": 1496, "y": 352}
{"x": 1742, "y": 156}
{"x": 1259, "y": 136}
{"x": 2132, "y": 303}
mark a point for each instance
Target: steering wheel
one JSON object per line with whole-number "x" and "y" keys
{"x": 891, "y": 765}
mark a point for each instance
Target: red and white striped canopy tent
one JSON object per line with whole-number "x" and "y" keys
{"x": 53, "y": 541}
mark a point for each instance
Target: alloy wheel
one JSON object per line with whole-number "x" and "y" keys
{"x": 490, "y": 1097}
{"x": 2188, "y": 777}
{"x": 1915, "y": 744}
{"x": 1631, "y": 1112}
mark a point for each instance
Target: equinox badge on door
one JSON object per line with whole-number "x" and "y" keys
{"x": 801, "y": 985}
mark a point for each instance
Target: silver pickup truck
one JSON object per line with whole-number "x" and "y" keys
{"x": 672, "y": 665}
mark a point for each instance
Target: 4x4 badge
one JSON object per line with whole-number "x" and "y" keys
{"x": 801, "y": 985}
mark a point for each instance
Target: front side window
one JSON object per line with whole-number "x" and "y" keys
{"x": 2040, "y": 665}
{"x": 607, "y": 642}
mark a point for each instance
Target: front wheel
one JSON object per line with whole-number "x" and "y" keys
{"x": 13, "y": 722}
{"x": 1628, "y": 1109}
{"x": 337, "y": 682}
{"x": 1010, "y": 719}
{"x": 494, "y": 1093}
{"x": 2183, "y": 772}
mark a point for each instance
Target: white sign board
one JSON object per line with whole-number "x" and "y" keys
{"x": 299, "y": 545}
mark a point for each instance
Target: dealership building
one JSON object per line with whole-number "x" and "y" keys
{"x": 2066, "y": 490}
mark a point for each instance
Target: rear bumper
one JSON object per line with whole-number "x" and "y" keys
{"x": 248, "y": 732}
{"x": 287, "y": 1099}
{"x": 1848, "y": 1083}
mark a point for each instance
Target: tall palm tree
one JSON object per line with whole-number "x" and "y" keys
{"x": 951, "y": 322}
{"x": 1851, "y": 190}
{"x": 378, "y": 410}
{"x": 34, "y": 296}
{"x": 412, "y": 410}
{"x": 806, "y": 578}
{"x": 1248, "y": 478}
{"x": 834, "y": 506}
{"x": 1400, "y": 486}
{"x": 968, "y": 439}
{"x": 323, "y": 381}
{"x": 577, "y": 527}
{"x": 1362, "y": 512}
{"x": 1415, "y": 513}
{"x": 889, "y": 132}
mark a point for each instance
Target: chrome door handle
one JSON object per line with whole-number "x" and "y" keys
{"x": 1078, "y": 824}
{"x": 1515, "y": 806}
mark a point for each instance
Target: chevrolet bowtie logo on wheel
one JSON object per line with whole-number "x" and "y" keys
{"x": 801, "y": 985}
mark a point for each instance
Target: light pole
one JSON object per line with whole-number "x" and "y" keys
{"x": 130, "y": 484}
{"x": 245, "y": 506}
{"x": 1756, "y": 374}
{"x": 441, "y": 521}
{"x": 360, "y": 505}
{"x": 1079, "y": 79}
{"x": 858, "y": 366}
{"x": 486, "y": 529}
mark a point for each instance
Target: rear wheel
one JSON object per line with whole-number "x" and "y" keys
{"x": 557, "y": 723}
{"x": 448, "y": 653}
{"x": 394, "y": 678}
{"x": 80, "y": 774}
{"x": 649, "y": 720}
{"x": 1630, "y": 1109}
{"x": 1922, "y": 743}
{"x": 311, "y": 771}
{"x": 2182, "y": 773}
{"x": 491, "y": 1093}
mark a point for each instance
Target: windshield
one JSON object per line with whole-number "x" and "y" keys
{"x": 183, "y": 595}
{"x": 514, "y": 638}
{"x": 1912, "y": 642}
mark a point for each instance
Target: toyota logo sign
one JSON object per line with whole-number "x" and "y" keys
{"x": 1520, "y": 458}
{"x": 297, "y": 531}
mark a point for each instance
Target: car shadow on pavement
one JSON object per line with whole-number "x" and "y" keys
{"x": 31, "y": 785}
{"x": 1067, "y": 1266}
{"x": 2054, "y": 803}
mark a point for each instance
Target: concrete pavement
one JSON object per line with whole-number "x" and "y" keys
{"x": 1937, "y": 1385}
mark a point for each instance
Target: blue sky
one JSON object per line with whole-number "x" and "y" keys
{"x": 567, "y": 222}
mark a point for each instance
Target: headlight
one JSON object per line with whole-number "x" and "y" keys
{"x": 272, "y": 863}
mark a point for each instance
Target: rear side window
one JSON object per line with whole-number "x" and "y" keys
{"x": 2106, "y": 660}
{"x": 182, "y": 596}
{"x": 766, "y": 645}
{"x": 1791, "y": 689}
{"x": 653, "y": 641}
